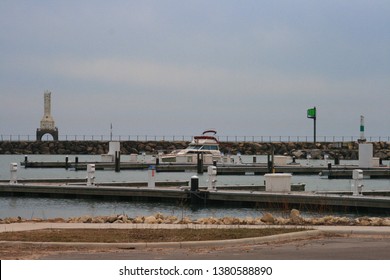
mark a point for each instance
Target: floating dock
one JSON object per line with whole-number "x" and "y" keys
{"x": 334, "y": 172}
{"x": 83, "y": 165}
{"x": 224, "y": 195}
{"x": 346, "y": 173}
{"x": 76, "y": 181}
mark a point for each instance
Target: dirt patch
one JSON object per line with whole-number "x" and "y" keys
{"x": 34, "y": 251}
{"x": 139, "y": 235}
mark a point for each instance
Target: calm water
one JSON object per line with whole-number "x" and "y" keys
{"x": 58, "y": 207}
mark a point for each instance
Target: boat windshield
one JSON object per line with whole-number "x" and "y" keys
{"x": 210, "y": 147}
{"x": 194, "y": 147}
{"x": 203, "y": 147}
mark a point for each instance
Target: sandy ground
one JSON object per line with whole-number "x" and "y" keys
{"x": 357, "y": 247}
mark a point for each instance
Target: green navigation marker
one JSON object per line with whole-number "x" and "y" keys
{"x": 311, "y": 113}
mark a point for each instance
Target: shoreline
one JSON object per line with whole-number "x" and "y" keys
{"x": 267, "y": 219}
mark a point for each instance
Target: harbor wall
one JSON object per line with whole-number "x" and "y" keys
{"x": 344, "y": 150}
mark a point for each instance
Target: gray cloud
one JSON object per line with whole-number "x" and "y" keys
{"x": 173, "y": 67}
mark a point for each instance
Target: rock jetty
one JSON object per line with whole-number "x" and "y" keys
{"x": 299, "y": 150}
{"x": 294, "y": 218}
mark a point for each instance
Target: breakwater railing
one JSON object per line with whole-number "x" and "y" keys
{"x": 173, "y": 138}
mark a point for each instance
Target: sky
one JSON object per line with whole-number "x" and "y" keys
{"x": 174, "y": 67}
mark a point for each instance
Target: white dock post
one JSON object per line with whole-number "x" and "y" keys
{"x": 357, "y": 176}
{"x": 13, "y": 168}
{"x": 90, "y": 174}
{"x": 239, "y": 159}
{"x": 212, "y": 181}
{"x": 152, "y": 176}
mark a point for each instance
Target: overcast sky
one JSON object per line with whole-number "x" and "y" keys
{"x": 180, "y": 67}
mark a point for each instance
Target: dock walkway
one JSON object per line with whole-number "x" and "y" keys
{"x": 334, "y": 172}
{"x": 203, "y": 197}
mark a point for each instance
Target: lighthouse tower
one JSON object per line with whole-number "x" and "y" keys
{"x": 47, "y": 122}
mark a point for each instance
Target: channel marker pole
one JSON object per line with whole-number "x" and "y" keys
{"x": 312, "y": 114}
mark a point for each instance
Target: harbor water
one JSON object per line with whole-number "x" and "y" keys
{"x": 35, "y": 207}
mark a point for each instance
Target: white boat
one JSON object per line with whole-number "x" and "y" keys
{"x": 207, "y": 145}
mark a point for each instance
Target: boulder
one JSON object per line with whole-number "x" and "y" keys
{"x": 111, "y": 219}
{"x": 386, "y": 222}
{"x": 268, "y": 218}
{"x": 232, "y": 221}
{"x": 298, "y": 154}
{"x": 159, "y": 216}
{"x": 282, "y": 221}
{"x": 123, "y": 218}
{"x": 376, "y": 221}
{"x": 84, "y": 219}
{"x": 97, "y": 220}
{"x": 363, "y": 221}
{"x": 150, "y": 220}
{"x": 56, "y": 220}
{"x": 210, "y": 221}
{"x": 170, "y": 220}
{"x": 315, "y": 153}
{"x": 138, "y": 220}
{"x": 295, "y": 216}
{"x": 185, "y": 221}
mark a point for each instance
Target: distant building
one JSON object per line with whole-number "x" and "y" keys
{"x": 47, "y": 122}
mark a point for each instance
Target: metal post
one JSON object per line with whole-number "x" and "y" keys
{"x": 76, "y": 163}
{"x": 269, "y": 162}
{"x": 194, "y": 183}
{"x": 200, "y": 163}
{"x": 315, "y": 127}
{"x": 111, "y": 132}
{"x": 117, "y": 161}
{"x": 312, "y": 114}
{"x": 362, "y": 138}
{"x": 152, "y": 176}
{"x": 66, "y": 162}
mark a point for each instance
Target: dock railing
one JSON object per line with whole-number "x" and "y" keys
{"x": 173, "y": 138}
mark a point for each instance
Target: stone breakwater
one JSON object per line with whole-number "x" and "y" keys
{"x": 294, "y": 218}
{"x": 300, "y": 150}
